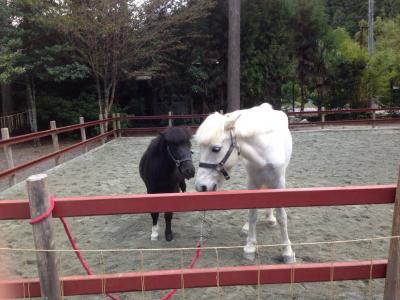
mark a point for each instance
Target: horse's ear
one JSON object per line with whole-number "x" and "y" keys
{"x": 230, "y": 121}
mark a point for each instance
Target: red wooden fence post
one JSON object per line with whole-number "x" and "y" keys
{"x": 392, "y": 283}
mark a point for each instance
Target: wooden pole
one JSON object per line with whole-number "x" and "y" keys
{"x": 54, "y": 137}
{"x": 233, "y": 83}
{"x": 43, "y": 236}
{"x": 373, "y": 118}
{"x": 392, "y": 282}
{"x": 119, "y": 125}
{"x": 322, "y": 118}
{"x": 5, "y": 135}
{"x": 83, "y": 132}
{"x": 170, "y": 120}
{"x": 103, "y": 140}
{"x": 115, "y": 126}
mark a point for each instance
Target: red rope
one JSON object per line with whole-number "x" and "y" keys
{"x": 192, "y": 263}
{"x": 70, "y": 238}
{"x": 45, "y": 214}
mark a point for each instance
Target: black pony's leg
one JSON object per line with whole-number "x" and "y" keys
{"x": 168, "y": 231}
{"x": 154, "y": 216}
{"x": 182, "y": 185}
{"x": 154, "y": 229}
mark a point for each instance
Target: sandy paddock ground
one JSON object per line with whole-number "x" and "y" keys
{"x": 328, "y": 158}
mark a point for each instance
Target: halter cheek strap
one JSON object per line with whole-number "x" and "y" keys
{"x": 220, "y": 166}
{"x": 177, "y": 162}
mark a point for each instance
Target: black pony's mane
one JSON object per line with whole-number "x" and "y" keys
{"x": 171, "y": 136}
{"x": 177, "y": 135}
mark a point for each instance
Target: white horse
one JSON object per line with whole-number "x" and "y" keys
{"x": 261, "y": 136}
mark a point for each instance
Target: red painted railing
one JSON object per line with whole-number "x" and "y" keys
{"x": 292, "y": 124}
{"x": 206, "y": 277}
{"x": 184, "y": 202}
{"x": 36, "y": 135}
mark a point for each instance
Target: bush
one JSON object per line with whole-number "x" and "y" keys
{"x": 64, "y": 111}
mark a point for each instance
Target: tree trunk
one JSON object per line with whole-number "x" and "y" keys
{"x": 6, "y": 99}
{"x": 234, "y": 56}
{"x": 99, "y": 96}
{"x": 31, "y": 102}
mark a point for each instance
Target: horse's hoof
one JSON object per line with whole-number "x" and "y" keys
{"x": 249, "y": 252}
{"x": 271, "y": 222}
{"x": 169, "y": 236}
{"x": 289, "y": 259}
{"x": 154, "y": 233}
{"x": 249, "y": 256}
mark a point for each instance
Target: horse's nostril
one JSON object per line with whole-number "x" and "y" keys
{"x": 203, "y": 188}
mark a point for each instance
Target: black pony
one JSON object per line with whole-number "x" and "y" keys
{"x": 164, "y": 167}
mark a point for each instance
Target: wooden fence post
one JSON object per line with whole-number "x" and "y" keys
{"x": 83, "y": 133}
{"x": 115, "y": 126}
{"x": 54, "y": 137}
{"x": 392, "y": 282}
{"x": 43, "y": 236}
{"x": 5, "y": 135}
{"x": 119, "y": 125}
{"x": 323, "y": 118}
{"x": 373, "y": 118}
{"x": 103, "y": 140}
{"x": 169, "y": 120}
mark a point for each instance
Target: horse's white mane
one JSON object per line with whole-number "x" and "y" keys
{"x": 246, "y": 123}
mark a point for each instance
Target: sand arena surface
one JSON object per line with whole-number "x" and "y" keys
{"x": 329, "y": 158}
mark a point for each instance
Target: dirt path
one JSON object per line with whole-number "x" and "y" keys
{"x": 330, "y": 158}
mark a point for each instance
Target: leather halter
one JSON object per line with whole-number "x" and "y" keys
{"x": 177, "y": 162}
{"x": 220, "y": 166}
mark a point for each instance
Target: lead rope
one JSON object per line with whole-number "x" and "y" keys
{"x": 194, "y": 259}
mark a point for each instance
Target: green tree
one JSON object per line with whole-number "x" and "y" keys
{"x": 118, "y": 39}
{"x": 383, "y": 72}
{"x": 266, "y": 52}
{"x": 347, "y": 68}
{"x": 33, "y": 49}
{"x": 308, "y": 26}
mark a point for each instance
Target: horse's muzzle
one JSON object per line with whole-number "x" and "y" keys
{"x": 188, "y": 171}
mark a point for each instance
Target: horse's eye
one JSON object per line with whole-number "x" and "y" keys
{"x": 216, "y": 149}
{"x": 191, "y": 151}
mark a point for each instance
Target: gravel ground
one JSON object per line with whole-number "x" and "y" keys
{"x": 320, "y": 158}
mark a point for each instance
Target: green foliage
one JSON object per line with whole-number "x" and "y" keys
{"x": 265, "y": 55}
{"x": 384, "y": 66}
{"x": 65, "y": 111}
{"x": 347, "y": 69}
{"x": 291, "y": 51}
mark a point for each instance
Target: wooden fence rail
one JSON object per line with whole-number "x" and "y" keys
{"x": 6, "y": 142}
{"x": 14, "y": 121}
{"x": 205, "y": 277}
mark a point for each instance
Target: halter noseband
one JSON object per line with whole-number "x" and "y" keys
{"x": 177, "y": 162}
{"x": 220, "y": 166}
